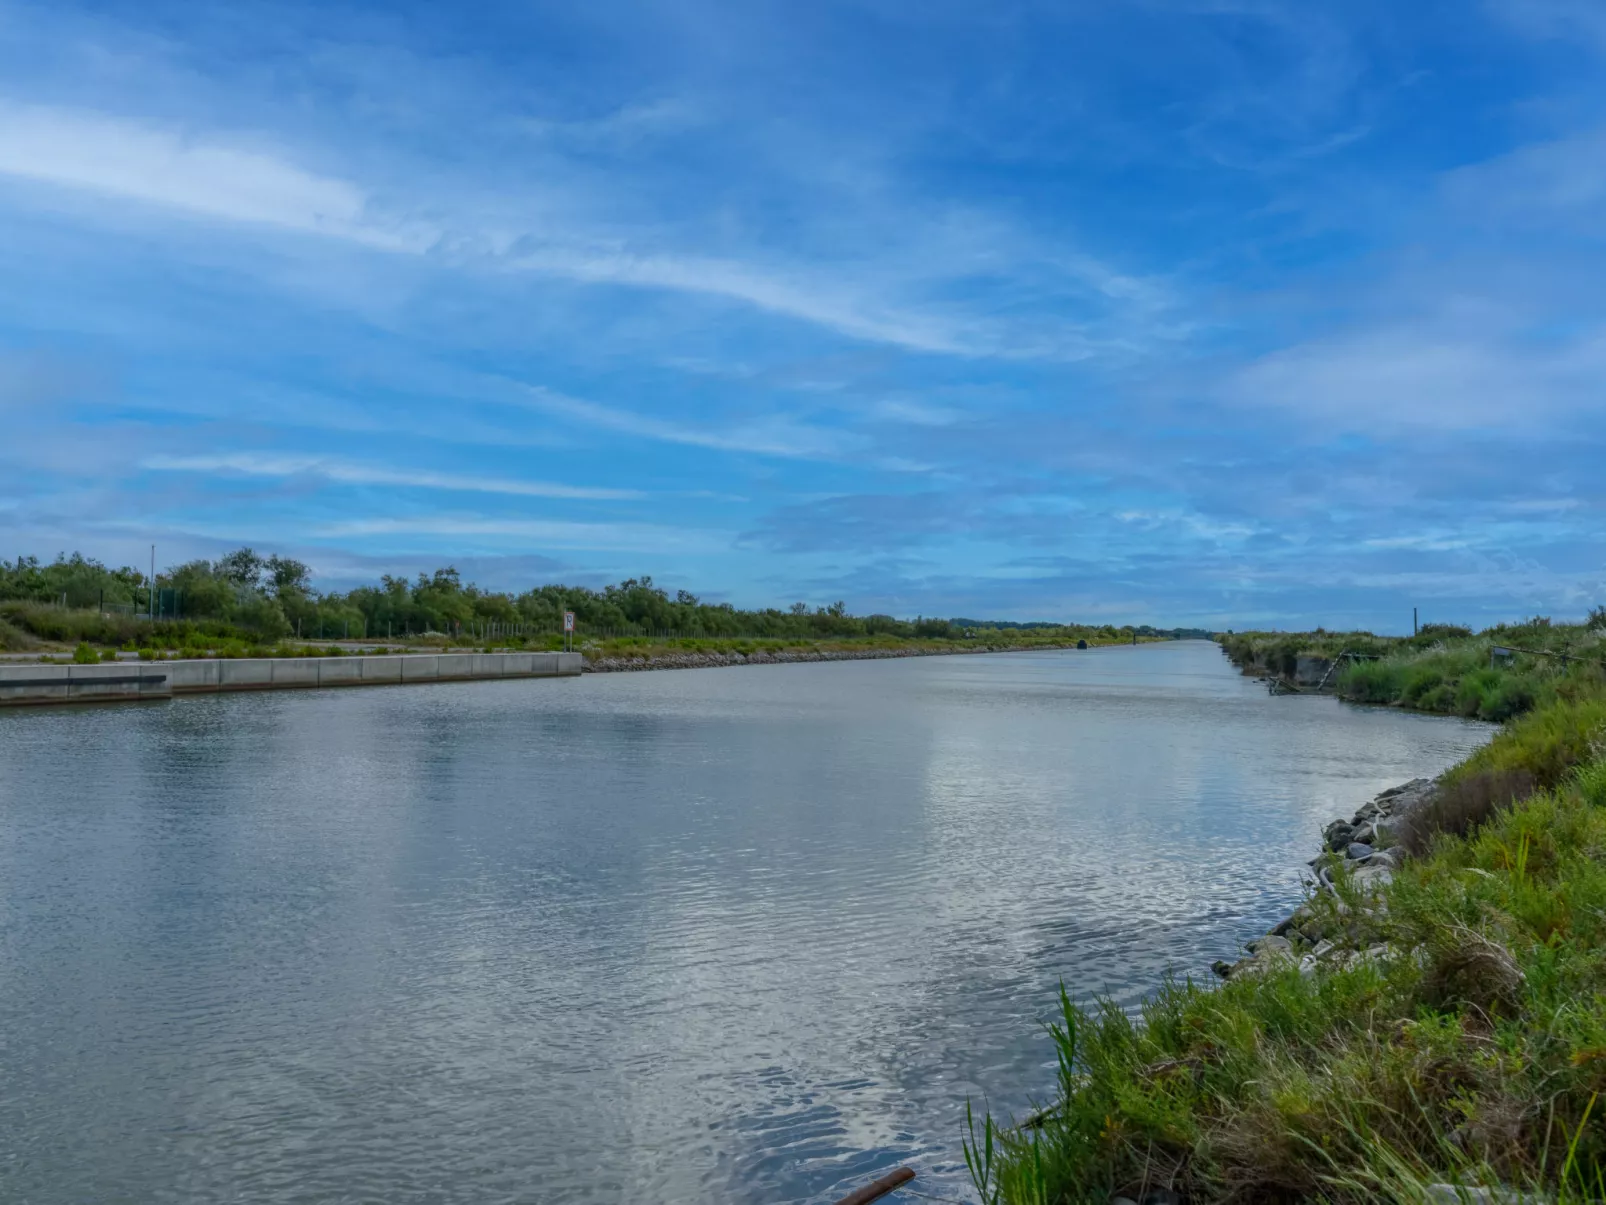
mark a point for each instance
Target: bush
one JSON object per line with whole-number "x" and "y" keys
{"x": 84, "y": 655}
{"x": 14, "y": 640}
{"x": 264, "y": 617}
{"x": 1464, "y": 803}
{"x": 1547, "y": 744}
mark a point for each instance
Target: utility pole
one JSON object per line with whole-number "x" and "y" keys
{"x": 1414, "y": 629}
{"x": 152, "y": 600}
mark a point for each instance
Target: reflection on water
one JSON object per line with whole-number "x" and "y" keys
{"x": 717, "y": 935}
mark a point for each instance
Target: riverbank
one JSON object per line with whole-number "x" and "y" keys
{"x": 1494, "y": 675}
{"x": 673, "y": 659}
{"x": 1430, "y": 1025}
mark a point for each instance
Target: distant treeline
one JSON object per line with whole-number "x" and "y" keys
{"x": 273, "y": 596}
{"x": 1010, "y": 625}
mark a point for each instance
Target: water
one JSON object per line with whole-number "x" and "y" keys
{"x": 730, "y": 935}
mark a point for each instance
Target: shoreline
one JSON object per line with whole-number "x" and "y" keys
{"x": 630, "y": 665}
{"x": 1368, "y": 846}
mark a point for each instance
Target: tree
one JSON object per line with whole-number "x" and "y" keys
{"x": 242, "y": 568}
{"x": 287, "y": 576}
{"x": 203, "y": 593}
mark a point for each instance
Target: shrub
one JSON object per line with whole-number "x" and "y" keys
{"x": 1547, "y": 744}
{"x": 264, "y": 617}
{"x": 14, "y": 639}
{"x": 1462, "y": 804}
{"x": 1511, "y": 697}
{"x": 84, "y": 655}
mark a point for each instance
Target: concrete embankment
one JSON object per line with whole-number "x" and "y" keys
{"x": 134, "y": 681}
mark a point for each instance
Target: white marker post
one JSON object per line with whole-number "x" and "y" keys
{"x": 568, "y": 631}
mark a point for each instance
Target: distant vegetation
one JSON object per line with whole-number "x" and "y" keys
{"x": 248, "y": 597}
{"x": 1495, "y": 674}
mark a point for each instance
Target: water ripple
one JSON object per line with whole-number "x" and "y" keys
{"x": 724, "y": 935}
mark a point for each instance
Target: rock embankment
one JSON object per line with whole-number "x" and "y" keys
{"x": 612, "y": 665}
{"x": 1365, "y": 851}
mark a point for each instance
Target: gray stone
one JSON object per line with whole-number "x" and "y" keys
{"x": 1270, "y": 944}
{"x": 1459, "y": 1194}
{"x": 1358, "y": 850}
{"x": 1287, "y": 926}
{"x": 1370, "y": 878}
{"x": 1362, "y": 835}
{"x": 1337, "y": 834}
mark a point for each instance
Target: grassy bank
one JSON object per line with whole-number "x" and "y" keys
{"x": 1445, "y": 669}
{"x": 1454, "y": 1031}
{"x": 997, "y": 640}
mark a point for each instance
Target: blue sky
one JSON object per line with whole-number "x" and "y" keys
{"x": 1180, "y": 311}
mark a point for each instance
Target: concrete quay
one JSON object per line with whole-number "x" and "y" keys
{"x": 131, "y": 681}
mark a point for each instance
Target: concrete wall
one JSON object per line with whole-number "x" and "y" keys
{"x": 132, "y": 680}
{"x": 83, "y": 683}
{"x": 1311, "y": 671}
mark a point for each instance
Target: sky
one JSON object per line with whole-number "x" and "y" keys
{"x": 1219, "y": 312}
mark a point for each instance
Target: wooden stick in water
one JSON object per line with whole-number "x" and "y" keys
{"x": 874, "y": 1192}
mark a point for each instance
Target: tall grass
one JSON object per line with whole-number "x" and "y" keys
{"x": 1457, "y": 680}
{"x": 1444, "y": 668}
{"x": 1472, "y": 1051}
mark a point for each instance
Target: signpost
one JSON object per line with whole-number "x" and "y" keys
{"x": 568, "y": 631}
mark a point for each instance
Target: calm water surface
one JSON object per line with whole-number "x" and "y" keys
{"x": 730, "y": 935}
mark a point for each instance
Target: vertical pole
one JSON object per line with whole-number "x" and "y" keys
{"x": 151, "y": 608}
{"x": 1414, "y": 628}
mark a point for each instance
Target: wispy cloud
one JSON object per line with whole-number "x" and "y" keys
{"x": 897, "y": 301}
{"x": 768, "y": 437}
{"x": 253, "y": 464}
{"x": 122, "y": 159}
{"x": 619, "y": 537}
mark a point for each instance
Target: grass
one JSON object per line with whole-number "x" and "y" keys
{"x": 1468, "y": 1046}
{"x": 653, "y": 648}
{"x": 1444, "y": 669}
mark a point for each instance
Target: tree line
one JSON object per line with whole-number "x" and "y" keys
{"x": 274, "y": 597}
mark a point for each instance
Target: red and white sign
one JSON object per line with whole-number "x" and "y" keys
{"x": 568, "y": 621}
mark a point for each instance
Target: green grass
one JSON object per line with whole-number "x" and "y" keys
{"x": 653, "y": 648}
{"x": 1475, "y": 1052}
{"x": 1443, "y": 669}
